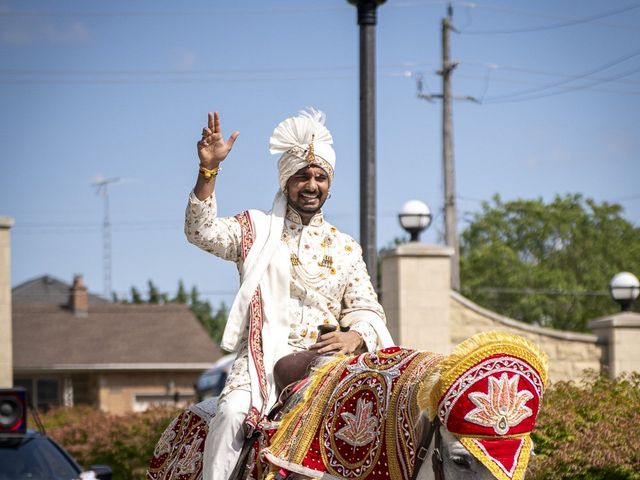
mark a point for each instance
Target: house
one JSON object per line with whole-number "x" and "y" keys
{"x": 71, "y": 347}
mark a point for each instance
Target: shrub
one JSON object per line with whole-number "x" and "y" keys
{"x": 589, "y": 431}
{"x": 125, "y": 442}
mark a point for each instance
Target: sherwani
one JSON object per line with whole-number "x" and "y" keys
{"x": 329, "y": 280}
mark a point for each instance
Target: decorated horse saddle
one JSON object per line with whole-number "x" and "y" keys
{"x": 360, "y": 416}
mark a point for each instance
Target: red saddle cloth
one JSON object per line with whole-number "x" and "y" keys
{"x": 358, "y": 419}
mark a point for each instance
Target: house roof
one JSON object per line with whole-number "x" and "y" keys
{"x": 110, "y": 337}
{"x": 47, "y": 290}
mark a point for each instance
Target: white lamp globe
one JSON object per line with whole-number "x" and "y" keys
{"x": 624, "y": 288}
{"x": 415, "y": 217}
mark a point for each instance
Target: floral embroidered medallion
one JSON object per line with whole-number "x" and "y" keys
{"x": 360, "y": 428}
{"x": 502, "y": 407}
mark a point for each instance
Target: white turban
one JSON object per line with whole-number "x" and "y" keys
{"x": 302, "y": 140}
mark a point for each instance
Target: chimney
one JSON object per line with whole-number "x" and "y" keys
{"x": 79, "y": 298}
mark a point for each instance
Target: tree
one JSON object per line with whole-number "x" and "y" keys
{"x": 135, "y": 295}
{"x": 548, "y": 264}
{"x": 154, "y": 294}
{"x": 213, "y": 322}
{"x": 181, "y": 294}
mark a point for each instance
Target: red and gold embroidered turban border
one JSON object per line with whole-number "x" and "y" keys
{"x": 488, "y": 395}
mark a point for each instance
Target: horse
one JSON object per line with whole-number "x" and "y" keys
{"x": 394, "y": 414}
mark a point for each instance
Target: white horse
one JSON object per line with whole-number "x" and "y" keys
{"x": 487, "y": 392}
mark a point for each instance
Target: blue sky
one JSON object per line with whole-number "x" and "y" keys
{"x": 122, "y": 89}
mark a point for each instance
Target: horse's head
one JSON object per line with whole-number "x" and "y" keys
{"x": 482, "y": 402}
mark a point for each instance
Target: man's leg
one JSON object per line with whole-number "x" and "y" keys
{"x": 226, "y": 436}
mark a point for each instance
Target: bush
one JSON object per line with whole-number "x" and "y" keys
{"x": 125, "y": 442}
{"x": 589, "y": 431}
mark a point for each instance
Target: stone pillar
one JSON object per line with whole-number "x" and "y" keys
{"x": 619, "y": 336}
{"x": 416, "y": 281}
{"x": 6, "y": 349}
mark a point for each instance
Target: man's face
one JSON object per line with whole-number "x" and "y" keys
{"x": 307, "y": 189}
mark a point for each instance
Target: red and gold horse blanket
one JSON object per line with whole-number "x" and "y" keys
{"x": 358, "y": 420}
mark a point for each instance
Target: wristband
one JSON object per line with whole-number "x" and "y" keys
{"x": 209, "y": 173}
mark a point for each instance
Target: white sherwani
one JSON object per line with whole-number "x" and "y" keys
{"x": 329, "y": 280}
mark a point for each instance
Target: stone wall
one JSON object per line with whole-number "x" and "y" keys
{"x": 570, "y": 354}
{"x": 424, "y": 313}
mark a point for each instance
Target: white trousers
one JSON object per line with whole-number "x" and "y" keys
{"x": 225, "y": 438}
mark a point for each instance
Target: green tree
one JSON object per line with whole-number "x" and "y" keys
{"x": 181, "y": 294}
{"x": 213, "y": 323}
{"x": 212, "y": 320}
{"x": 135, "y": 295}
{"x": 154, "y": 294}
{"x": 547, "y": 263}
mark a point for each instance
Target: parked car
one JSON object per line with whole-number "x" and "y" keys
{"x": 211, "y": 382}
{"x": 27, "y": 454}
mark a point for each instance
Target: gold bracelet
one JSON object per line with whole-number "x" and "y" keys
{"x": 209, "y": 173}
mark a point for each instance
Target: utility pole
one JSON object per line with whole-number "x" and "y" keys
{"x": 101, "y": 185}
{"x": 450, "y": 214}
{"x": 367, "y": 20}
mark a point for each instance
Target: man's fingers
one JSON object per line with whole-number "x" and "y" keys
{"x": 210, "y": 120}
{"x": 232, "y": 139}
{"x": 331, "y": 348}
{"x": 216, "y": 122}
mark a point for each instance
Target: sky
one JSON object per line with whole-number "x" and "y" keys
{"x": 121, "y": 89}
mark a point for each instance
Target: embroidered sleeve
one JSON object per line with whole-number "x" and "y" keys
{"x": 360, "y": 300}
{"x": 220, "y": 236}
{"x": 367, "y": 333}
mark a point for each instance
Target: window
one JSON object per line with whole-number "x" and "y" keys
{"x": 42, "y": 392}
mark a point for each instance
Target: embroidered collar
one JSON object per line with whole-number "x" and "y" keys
{"x": 316, "y": 221}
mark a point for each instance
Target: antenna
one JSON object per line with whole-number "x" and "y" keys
{"x": 101, "y": 185}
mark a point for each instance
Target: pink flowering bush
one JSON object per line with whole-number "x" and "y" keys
{"x": 589, "y": 431}
{"x": 123, "y": 442}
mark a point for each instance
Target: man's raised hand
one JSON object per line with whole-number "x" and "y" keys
{"x": 212, "y": 149}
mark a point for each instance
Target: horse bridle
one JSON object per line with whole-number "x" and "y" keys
{"x": 433, "y": 429}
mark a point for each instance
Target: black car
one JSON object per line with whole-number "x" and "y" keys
{"x": 27, "y": 454}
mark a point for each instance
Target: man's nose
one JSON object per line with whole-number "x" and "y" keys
{"x": 312, "y": 185}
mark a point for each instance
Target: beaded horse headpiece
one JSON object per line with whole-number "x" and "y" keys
{"x": 488, "y": 394}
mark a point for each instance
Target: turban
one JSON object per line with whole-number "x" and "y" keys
{"x": 302, "y": 140}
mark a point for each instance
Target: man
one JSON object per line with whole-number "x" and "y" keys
{"x": 297, "y": 272}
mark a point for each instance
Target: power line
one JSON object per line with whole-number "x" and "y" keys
{"x": 539, "y": 291}
{"x": 274, "y": 10}
{"x": 568, "y": 23}
{"x": 535, "y": 71}
{"x": 565, "y": 90}
{"x": 469, "y": 6}
{"x": 572, "y": 78}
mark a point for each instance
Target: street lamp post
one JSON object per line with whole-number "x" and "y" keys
{"x": 415, "y": 217}
{"x": 624, "y": 288}
{"x": 367, "y": 20}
